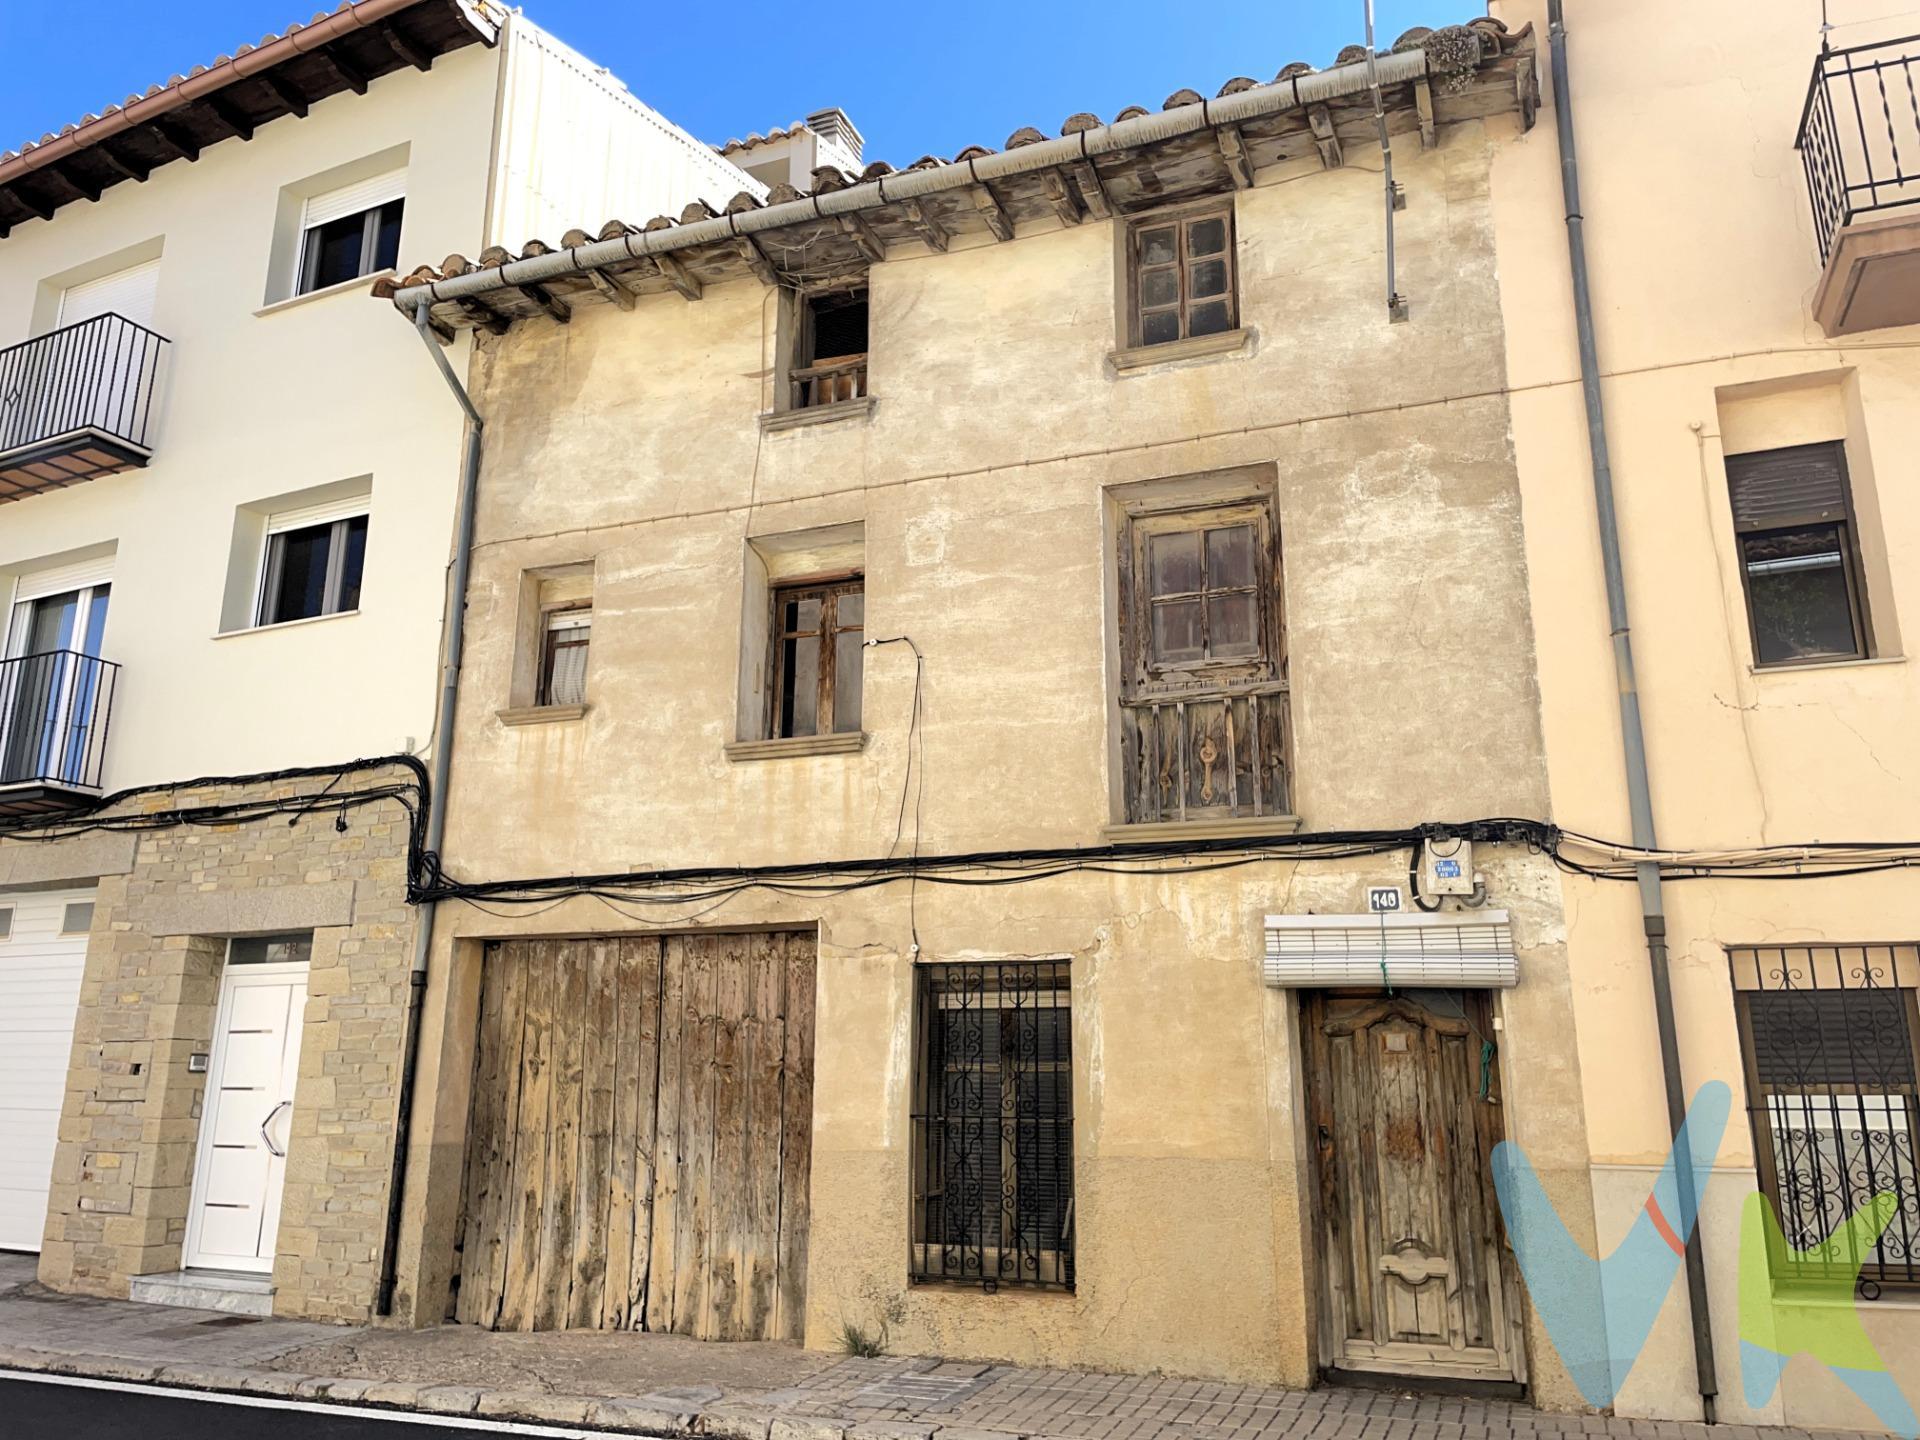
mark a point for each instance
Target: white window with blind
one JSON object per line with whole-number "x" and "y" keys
{"x": 351, "y": 231}
{"x": 313, "y": 561}
{"x": 563, "y": 656}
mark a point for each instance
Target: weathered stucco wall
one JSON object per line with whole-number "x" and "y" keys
{"x": 629, "y": 441}
{"x": 1708, "y": 348}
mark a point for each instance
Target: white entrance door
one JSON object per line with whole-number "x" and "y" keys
{"x": 43, "y": 951}
{"x": 244, "y": 1117}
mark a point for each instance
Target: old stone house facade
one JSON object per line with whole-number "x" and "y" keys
{"x": 947, "y": 657}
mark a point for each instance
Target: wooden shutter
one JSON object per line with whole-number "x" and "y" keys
{"x": 1798, "y": 485}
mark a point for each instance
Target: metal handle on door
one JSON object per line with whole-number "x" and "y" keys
{"x": 278, "y": 1153}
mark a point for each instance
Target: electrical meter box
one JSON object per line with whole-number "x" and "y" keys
{"x": 1446, "y": 867}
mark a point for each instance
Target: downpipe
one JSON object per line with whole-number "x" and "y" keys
{"x": 1653, "y": 917}
{"x": 456, "y": 627}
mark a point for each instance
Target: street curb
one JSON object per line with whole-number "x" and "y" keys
{"x": 658, "y": 1416}
{"x": 623, "y": 1416}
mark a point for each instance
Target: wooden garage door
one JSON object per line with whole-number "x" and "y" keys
{"x": 641, "y": 1137}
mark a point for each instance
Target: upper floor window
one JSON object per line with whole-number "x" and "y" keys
{"x": 1204, "y": 696}
{"x": 312, "y": 566}
{"x": 830, "y": 358}
{"x": 817, "y": 633}
{"x": 351, "y": 231}
{"x": 1799, "y": 561}
{"x": 563, "y": 656}
{"x": 1181, "y": 276}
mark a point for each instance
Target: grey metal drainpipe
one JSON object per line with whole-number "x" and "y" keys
{"x": 437, "y": 804}
{"x": 1633, "y": 737}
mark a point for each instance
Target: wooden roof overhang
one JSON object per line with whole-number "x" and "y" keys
{"x": 283, "y": 75}
{"x": 846, "y": 223}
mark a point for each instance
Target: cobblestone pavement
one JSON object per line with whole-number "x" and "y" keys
{"x": 776, "y": 1393}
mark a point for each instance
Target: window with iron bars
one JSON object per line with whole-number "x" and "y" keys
{"x": 1828, "y": 1036}
{"x": 993, "y": 1125}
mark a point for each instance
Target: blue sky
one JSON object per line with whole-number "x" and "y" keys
{"x": 917, "y": 78}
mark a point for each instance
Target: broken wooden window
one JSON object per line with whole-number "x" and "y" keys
{"x": 1793, "y": 519}
{"x": 817, "y": 633}
{"x": 993, "y": 1124}
{"x": 1182, "y": 276}
{"x": 830, "y": 360}
{"x": 1204, "y": 698}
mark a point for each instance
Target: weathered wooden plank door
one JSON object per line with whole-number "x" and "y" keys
{"x": 1415, "y": 1276}
{"x": 640, "y": 1137}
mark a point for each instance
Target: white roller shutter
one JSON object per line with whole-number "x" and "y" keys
{"x": 325, "y": 513}
{"x": 58, "y": 579}
{"x": 40, "y": 970}
{"x": 1471, "y": 949}
{"x": 352, "y": 199}
{"x": 128, "y": 292}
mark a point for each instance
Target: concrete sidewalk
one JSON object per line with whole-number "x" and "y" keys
{"x": 669, "y": 1386}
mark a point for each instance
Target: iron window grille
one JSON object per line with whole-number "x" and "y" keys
{"x": 993, "y": 1125}
{"x": 1828, "y": 1038}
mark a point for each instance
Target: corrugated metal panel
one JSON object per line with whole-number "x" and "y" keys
{"x": 354, "y": 198}
{"x": 40, "y": 972}
{"x": 1793, "y": 485}
{"x": 576, "y": 148}
{"x": 1445, "y": 948}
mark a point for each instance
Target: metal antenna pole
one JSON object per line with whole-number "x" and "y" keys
{"x": 1396, "y": 197}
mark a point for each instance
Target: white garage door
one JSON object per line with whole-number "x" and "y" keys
{"x": 43, "y": 949}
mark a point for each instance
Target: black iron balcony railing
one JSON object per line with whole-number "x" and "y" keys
{"x": 76, "y": 402}
{"x": 54, "y": 712}
{"x": 1860, "y": 134}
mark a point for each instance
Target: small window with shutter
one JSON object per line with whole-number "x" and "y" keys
{"x": 1793, "y": 523}
{"x": 1181, "y": 275}
{"x": 563, "y": 659}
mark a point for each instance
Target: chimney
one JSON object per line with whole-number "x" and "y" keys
{"x": 834, "y": 127}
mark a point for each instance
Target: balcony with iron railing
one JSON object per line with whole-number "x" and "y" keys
{"x": 55, "y": 708}
{"x": 77, "y": 403}
{"x": 1859, "y": 143}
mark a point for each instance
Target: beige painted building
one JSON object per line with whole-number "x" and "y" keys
{"x": 907, "y": 631}
{"x": 227, "y": 489}
{"x": 1762, "y": 416}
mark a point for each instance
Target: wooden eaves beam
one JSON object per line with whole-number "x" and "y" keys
{"x": 483, "y": 315}
{"x": 229, "y": 115}
{"x": 864, "y": 236}
{"x": 1234, "y": 152}
{"x": 1093, "y": 190}
{"x": 63, "y": 171}
{"x": 291, "y": 95}
{"x": 126, "y": 168}
{"x": 677, "y": 275}
{"x": 1065, "y": 203}
{"x": 403, "y": 47}
{"x": 992, "y": 211}
{"x": 175, "y": 136}
{"x": 1320, "y": 120}
{"x": 38, "y": 208}
{"x": 927, "y": 226}
{"x": 547, "y": 301}
{"x": 350, "y": 76}
{"x": 757, "y": 261}
{"x": 610, "y": 287}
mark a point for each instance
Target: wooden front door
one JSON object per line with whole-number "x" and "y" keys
{"x": 641, "y": 1137}
{"x": 1404, "y": 1112}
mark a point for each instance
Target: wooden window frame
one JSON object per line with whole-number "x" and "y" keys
{"x": 1136, "y": 639}
{"x": 1180, "y": 218}
{"x": 1851, "y": 569}
{"x": 554, "y": 622}
{"x": 829, "y": 589}
{"x": 842, "y": 378}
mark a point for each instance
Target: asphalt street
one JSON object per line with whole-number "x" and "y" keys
{"x": 60, "y": 1408}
